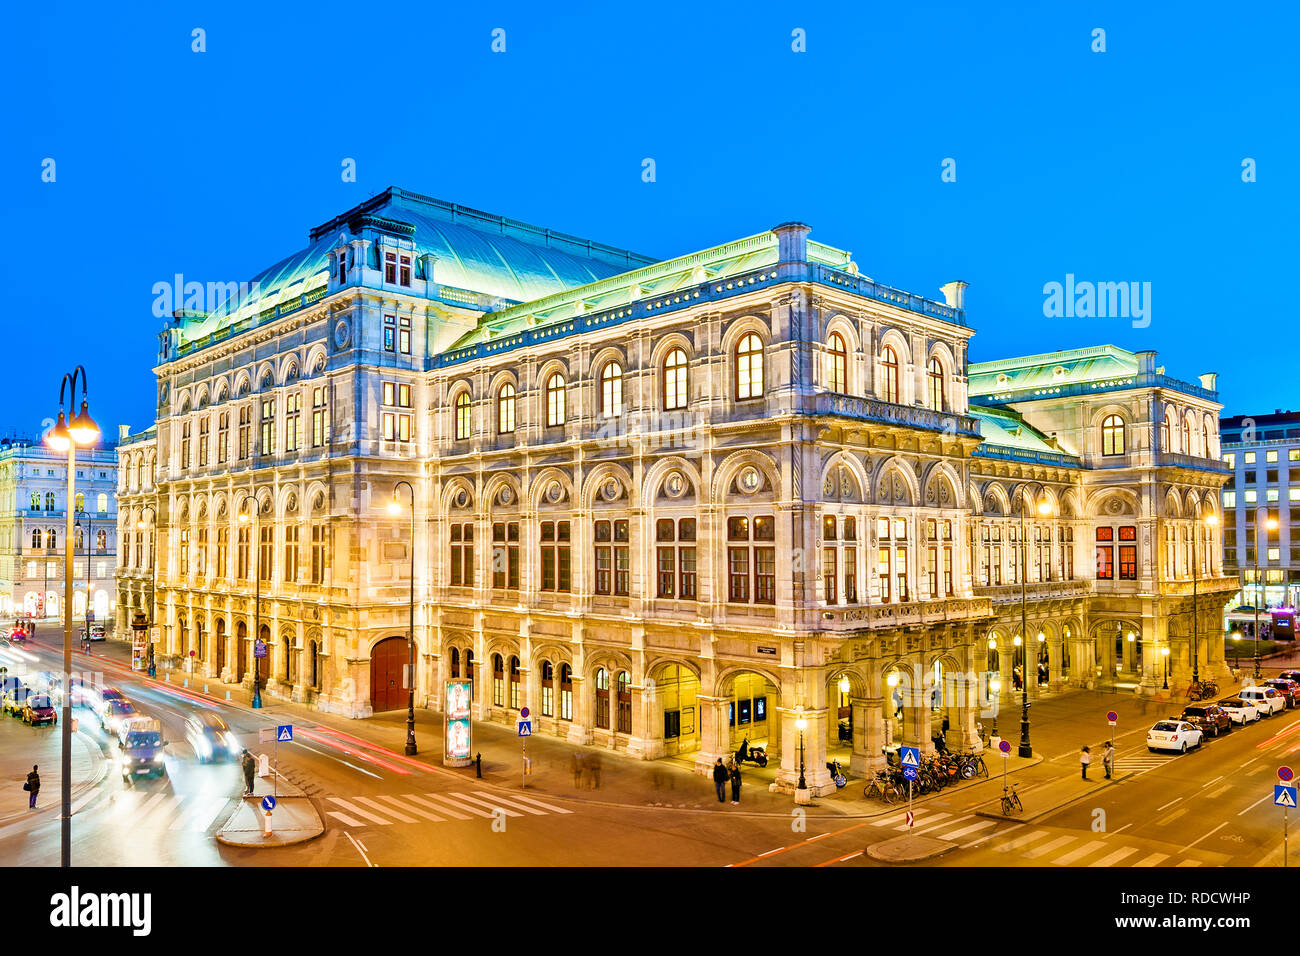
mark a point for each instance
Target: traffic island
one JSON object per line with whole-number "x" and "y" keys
{"x": 909, "y": 849}
{"x": 293, "y": 817}
{"x": 1046, "y": 798}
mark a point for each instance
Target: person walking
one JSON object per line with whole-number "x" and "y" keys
{"x": 33, "y": 787}
{"x": 720, "y": 776}
{"x": 1085, "y": 758}
{"x": 249, "y": 766}
{"x": 593, "y": 765}
{"x": 735, "y": 783}
{"x": 577, "y": 770}
{"x": 1108, "y": 759}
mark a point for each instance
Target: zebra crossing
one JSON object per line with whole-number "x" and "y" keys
{"x": 140, "y": 810}
{"x": 413, "y": 808}
{"x": 1039, "y": 847}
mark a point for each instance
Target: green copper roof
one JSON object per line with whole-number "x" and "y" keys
{"x": 999, "y": 426}
{"x": 474, "y": 250}
{"x": 1095, "y": 365}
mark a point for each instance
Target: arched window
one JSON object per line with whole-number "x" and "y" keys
{"x": 455, "y": 662}
{"x": 555, "y": 400}
{"x": 1187, "y": 437}
{"x": 462, "y": 416}
{"x": 101, "y": 540}
{"x": 566, "y": 692}
{"x": 498, "y": 681}
{"x": 314, "y": 660}
{"x": 80, "y": 537}
{"x": 81, "y": 501}
{"x": 889, "y": 374}
{"x": 506, "y": 409}
{"x": 749, "y": 367}
{"x": 1112, "y": 435}
{"x": 51, "y": 538}
{"x": 36, "y": 501}
{"x": 101, "y": 503}
{"x": 49, "y": 501}
{"x": 469, "y": 671}
{"x": 934, "y": 378}
{"x": 611, "y": 390}
{"x": 1166, "y": 434}
{"x": 548, "y": 689}
{"x": 837, "y": 360}
{"x": 602, "y": 699}
{"x": 1205, "y": 439}
{"x": 622, "y": 685}
{"x": 514, "y": 683}
{"x": 675, "y": 380}
{"x": 36, "y": 538}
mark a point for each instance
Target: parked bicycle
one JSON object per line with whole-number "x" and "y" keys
{"x": 1011, "y": 801}
{"x": 972, "y": 765}
{"x": 1202, "y": 690}
{"x": 882, "y": 785}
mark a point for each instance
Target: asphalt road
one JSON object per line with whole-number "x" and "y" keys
{"x": 1210, "y": 807}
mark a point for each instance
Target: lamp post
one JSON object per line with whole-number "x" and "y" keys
{"x": 153, "y": 591}
{"x": 1164, "y": 652}
{"x": 1043, "y": 508}
{"x": 395, "y": 508}
{"x": 68, "y": 432}
{"x": 1236, "y": 649}
{"x": 1270, "y": 524}
{"x": 257, "y": 601}
{"x": 802, "y": 723}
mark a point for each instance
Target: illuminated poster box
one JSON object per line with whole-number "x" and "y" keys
{"x": 456, "y": 745}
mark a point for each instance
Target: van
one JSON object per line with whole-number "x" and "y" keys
{"x": 142, "y": 744}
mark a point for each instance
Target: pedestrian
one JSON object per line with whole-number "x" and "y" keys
{"x": 593, "y": 766}
{"x": 33, "y": 787}
{"x": 1042, "y": 673}
{"x": 735, "y": 783}
{"x": 939, "y": 745}
{"x": 1085, "y": 758}
{"x": 720, "y": 776}
{"x": 743, "y": 751}
{"x": 249, "y": 766}
{"x": 1016, "y": 678}
{"x": 577, "y": 770}
{"x": 1108, "y": 759}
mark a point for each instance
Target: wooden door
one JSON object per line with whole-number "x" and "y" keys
{"x": 387, "y": 661}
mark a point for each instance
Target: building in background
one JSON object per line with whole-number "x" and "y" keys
{"x": 669, "y": 505}
{"x": 33, "y": 503}
{"x": 1262, "y": 453}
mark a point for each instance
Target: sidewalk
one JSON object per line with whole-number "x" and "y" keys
{"x": 43, "y": 746}
{"x": 294, "y": 819}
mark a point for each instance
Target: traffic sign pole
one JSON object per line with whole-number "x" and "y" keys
{"x": 911, "y": 819}
{"x": 1111, "y": 719}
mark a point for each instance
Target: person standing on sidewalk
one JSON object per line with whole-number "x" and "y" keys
{"x": 720, "y": 776}
{"x": 577, "y": 770}
{"x": 1085, "y": 758}
{"x": 33, "y": 787}
{"x": 735, "y": 783}
{"x": 593, "y": 766}
{"x": 249, "y": 766}
{"x": 1108, "y": 759}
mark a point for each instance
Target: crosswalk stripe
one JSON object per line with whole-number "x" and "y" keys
{"x": 1152, "y": 860}
{"x": 511, "y": 802}
{"x": 1079, "y": 853}
{"x": 930, "y": 818}
{"x": 440, "y": 802}
{"x": 947, "y": 823}
{"x": 890, "y": 820}
{"x": 1113, "y": 858}
{"x": 986, "y": 836}
{"x": 365, "y": 815}
{"x": 126, "y": 801}
{"x": 205, "y": 817}
{"x": 484, "y": 803}
{"x": 375, "y": 804}
{"x": 973, "y": 828}
{"x": 427, "y": 801}
{"x": 344, "y": 819}
{"x": 1020, "y": 841}
{"x": 149, "y": 806}
{"x": 1048, "y": 847}
{"x": 408, "y": 803}
{"x": 1190, "y": 863}
{"x": 158, "y": 818}
{"x": 84, "y": 799}
{"x": 554, "y": 809}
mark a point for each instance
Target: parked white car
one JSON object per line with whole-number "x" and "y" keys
{"x": 1173, "y": 735}
{"x": 1267, "y": 699}
{"x": 1241, "y": 711}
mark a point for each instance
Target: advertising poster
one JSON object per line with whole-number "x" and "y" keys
{"x": 457, "y": 735}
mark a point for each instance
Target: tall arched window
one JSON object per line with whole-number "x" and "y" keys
{"x": 548, "y": 689}
{"x": 314, "y": 659}
{"x": 1187, "y": 437}
{"x": 1112, "y": 435}
{"x": 80, "y": 537}
{"x": 462, "y": 416}
{"x": 622, "y": 685}
{"x": 101, "y": 503}
{"x": 455, "y": 662}
{"x": 602, "y": 699}
{"x": 36, "y": 538}
{"x": 101, "y": 540}
{"x": 749, "y": 367}
{"x": 934, "y": 378}
{"x": 498, "y": 681}
{"x": 555, "y": 400}
{"x": 49, "y": 501}
{"x": 51, "y": 538}
{"x": 36, "y": 501}
{"x": 81, "y": 501}
{"x": 515, "y": 679}
{"x": 675, "y": 380}
{"x": 611, "y": 390}
{"x": 506, "y": 409}
{"x": 1166, "y": 434}
{"x": 566, "y": 692}
{"x": 1205, "y": 439}
{"x": 837, "y": 361}
{"x": 889, "y": 374}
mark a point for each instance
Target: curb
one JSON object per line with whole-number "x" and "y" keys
{"x": 937, "y": 848}
{"x": 226, "y": 841}
{"x": 1039, "y": 814}
{"x": 101, "y": 772}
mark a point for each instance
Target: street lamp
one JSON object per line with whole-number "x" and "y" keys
{"x": 1271, "y": 525}
{"x": 1164, "y": 652}
{"x": 153, "y": 591}
{"x": 66, "y": 436}
{"x": 802, "y": 724}
{"x": 1236, "y": 649}
{"x": 395, "y": 508}
{"x": 1044, "y": 508}
{"x": 1210, "y": 520}
{"x": 257, "y": 606}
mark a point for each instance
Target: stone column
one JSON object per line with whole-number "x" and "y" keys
{"x": 715, "y": 738}
{"x": 817, "y": 777}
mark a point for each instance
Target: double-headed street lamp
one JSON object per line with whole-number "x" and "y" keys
{"x": 257, "y": 602}
{"x": 801, "y": 723}
{"x": 1164, "y": 652}
{"x": 68, "y": 432}
{"x": 1044, "y": 508}
{"x": 395, "y": 508}
{"x": 1270, "y": 524}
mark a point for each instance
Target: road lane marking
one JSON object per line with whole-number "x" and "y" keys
{"x": 517, "y": 798}
{"x": 484, "y": 803}
{"x": 1079, "y": 852}
{"x": 770, "y": 852}
{"x": 376, "y": 805}
{"x": 407, "y": 802}
{"x": 346, "y": 820}
{"x": 1151, "y": 860}
{"x": 357, "y": 811}
{"x": 1020, "y": 841}
{"x": 973, "y": 828}
{"x": 817, "y": 837}
{"x": 84, "y": 799}
{"x": 1220, "y": 791}
{"x": 439, "y": 800}
{"x": 1247, "y": 763}
{"x": 125, "y": 801}
{"x": 441, "y": 808}
{"x": 1208, "y": 782}
{"x": 1266, "y": 796}
{"x": 360, "y": 848}
{"x": 841, "y": 859}
{"x": 149, "y": 806}
{"x": 755, "y": 859}
{"x": 1171, "y": 818}
{"x": 1048, "y": 847}
{"x": 1199, "y": 839}
{"x": 1113, "y": 858}
{"x": 162, "y": 814}
{"x": 1169, "y": 804}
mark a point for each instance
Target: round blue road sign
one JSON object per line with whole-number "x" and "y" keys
{"x": 268, "y": 802}
{"x": 1284, "y": 774}
{"x": 1005, "y": 746}
{"x": 909, "y": 773}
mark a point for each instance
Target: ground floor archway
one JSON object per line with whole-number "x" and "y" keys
{"x": 388, "y": 690}
{"x": 676, "y": 694}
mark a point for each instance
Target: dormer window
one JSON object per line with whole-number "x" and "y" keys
{"x": 390, "y": 267}
{"x": 397, "y": 268}
{"x": 404, "y": 270}
{"x": 343, "y": 266}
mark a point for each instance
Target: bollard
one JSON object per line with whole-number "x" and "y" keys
{"x": 185, "y": 682}
{"x": 266, "y": 824}
{"x": 168, "y": 677}
{"x": 205, "y": 688}
{"x": 227, "y": 695}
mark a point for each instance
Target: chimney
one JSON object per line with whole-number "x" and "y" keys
{"x": 1146, "y": 362}
{"x": 793, "y": 242}
{"x": 954, "y": 293}
{"x": 123, "y": 431}
{"x": 1208, "y": 380}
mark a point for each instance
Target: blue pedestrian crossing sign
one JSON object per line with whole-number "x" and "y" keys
{"x": 284, "y": 733}
{"x": 909, "y": 756}
{"x": 268, "y": 803}
{"x": 909, "y": 773}
{"x": 525, "y": 728}
{"x": 1283, "y": 796}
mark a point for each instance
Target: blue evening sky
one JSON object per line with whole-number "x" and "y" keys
{"x": 1116, "y": 166}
